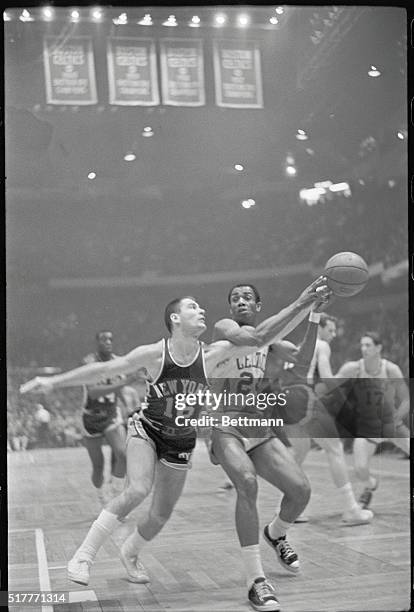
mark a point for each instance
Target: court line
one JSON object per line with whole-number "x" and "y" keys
{"x": 44, "y": 579}
{"x": 377, "y": 536}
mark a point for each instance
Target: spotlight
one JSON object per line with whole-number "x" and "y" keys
{"x": 129, "y": 157}
{"x": 47, "y": 13}
{"x": 121, "y": 20}
{"x": 26, "y": 16}
{"x": 243, "y": 20}
{"x": 248, "y": 203}
{"x": 301, "y": 135}
{"x": 220, "y": 19}
{"x": 291, "y": 170}
{"x": 146, "y": 20}
{"x": 279, "y": 10}
{"x": 171, "y": 21}
{"x": 74, "y": 15}
{"x": 374, "y": 72}
{"x": 195, "y": 22}
{"x": 97, "y": 14}
{"x": 274, "y": 20}
{"x": 239, "y": 167}
{"x": 91, "y": 175}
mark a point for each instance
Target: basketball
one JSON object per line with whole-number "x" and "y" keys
{"x": 346, "y": 273}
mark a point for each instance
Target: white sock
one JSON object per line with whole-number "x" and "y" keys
{"x": 278, "y": 528}
{"x": 252, "y": 563}
{"x": 348, "y": 496}
{"x": 369, "y": 483}
{"x": 100, "y": 530}
{"x": 134, "y": 543}
{"x": 117, "y": 485}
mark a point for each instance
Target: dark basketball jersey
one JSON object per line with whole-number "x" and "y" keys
{"x": 104, "y": 406}
{"x": 160, "y": 407}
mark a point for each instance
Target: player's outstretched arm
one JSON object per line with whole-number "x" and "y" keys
{"x": 273, "y": 328}
{"x": 147, "y": 356}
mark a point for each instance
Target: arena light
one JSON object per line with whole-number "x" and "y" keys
{"x": 97, "y": 14}
{"x": 121, "y": 20}
{"x": 6, "y": 16}
{"x": 274, "y": 20}
{"x": 47, "y": 13}
{"x": 147, "y": 132}
{"x": 279, "y": 10}
{"x": 91, "y": 175}
{"x": 170, "y": 22}
{"x": 311, "y": 196}
{"x": 239, "y": 167}
{"x": 402, "y": 134}
{"x": 74, "y": 15}
{"x": 243, "y": 20}
{"x": 26, "y": 16}
{"x": 291, "y": 170}
{"x": 130, "y": 156}
{"x": 146, "y": 20}
{"x": 336, "y": 187}
{"x": 310, "y": 151}
{"x": 195, "y": 22}
{"x": 301, "y": 135}
{"x": 374, "y": 72}
{"x": 220, "y": 19}
{"x": 290, "y": 160}
{"x": 248, "y": 203}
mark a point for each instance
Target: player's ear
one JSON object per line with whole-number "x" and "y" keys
{"x": 175, "y": 317}
{"x": 258, "y": 306}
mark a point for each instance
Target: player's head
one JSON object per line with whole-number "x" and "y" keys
{"x": 185, "y": 313}
{"x": 327, "y": 327}
{"x": 244, "y": 300}
{"x": 371, "y": 344}
{"x": 104, "y": 339}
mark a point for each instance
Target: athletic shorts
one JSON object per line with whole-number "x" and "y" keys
{"x": 97, "y": 423}
{"x": 172, "y": 451}
{"x": 250, "y": 436}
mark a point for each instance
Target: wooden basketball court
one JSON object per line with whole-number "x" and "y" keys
{"x": 195, "y": 563}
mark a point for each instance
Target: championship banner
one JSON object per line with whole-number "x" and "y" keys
{"x": 182, "y": 72}
{"x": 69, "y": 70}
{"x": 132, "y": 72}
{"x": 237, "y": 74}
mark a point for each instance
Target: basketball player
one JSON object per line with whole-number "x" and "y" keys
{"x": 382, "y": 402}
{"x": 314, "y": 421}
{"x": 158, "y": 450}
{"x": 102, "y": 419}
{"x": 245, "y": 452}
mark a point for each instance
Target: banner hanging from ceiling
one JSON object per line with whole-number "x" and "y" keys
{"x": 182, "y": 72}
{"x": 69, "y": 70}
{"x": 237, "y": 74}
{"x": 132, "y": 71}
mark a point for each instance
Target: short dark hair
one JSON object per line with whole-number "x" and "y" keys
{"x": 252, "y": 287}
{"x": 375, "y": 337}
{"x": 102, "y": 331}
{"x": 174, "y": 307}
{"x": 325, "y": 318}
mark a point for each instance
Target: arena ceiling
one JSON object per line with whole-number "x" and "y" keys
{"x": 321, "y": 88}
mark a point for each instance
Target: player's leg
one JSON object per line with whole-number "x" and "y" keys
{"x": 403, "y": 440}
{"x": 364, "y": 449}
{"x": 300, "y": 441}
{"x": 276, "y": 464}
{"x": 116, "y": 437}
{"x": 141, "y": 461}
{"x": 94, "y": 447}
{"x": 168, "y": 486}
{"x": 230, "y": 453}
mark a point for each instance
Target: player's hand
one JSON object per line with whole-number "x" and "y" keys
{"x": 39, "y": 384}
{"x": 326, "y": 299}
{"x": 314, "y": 292}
